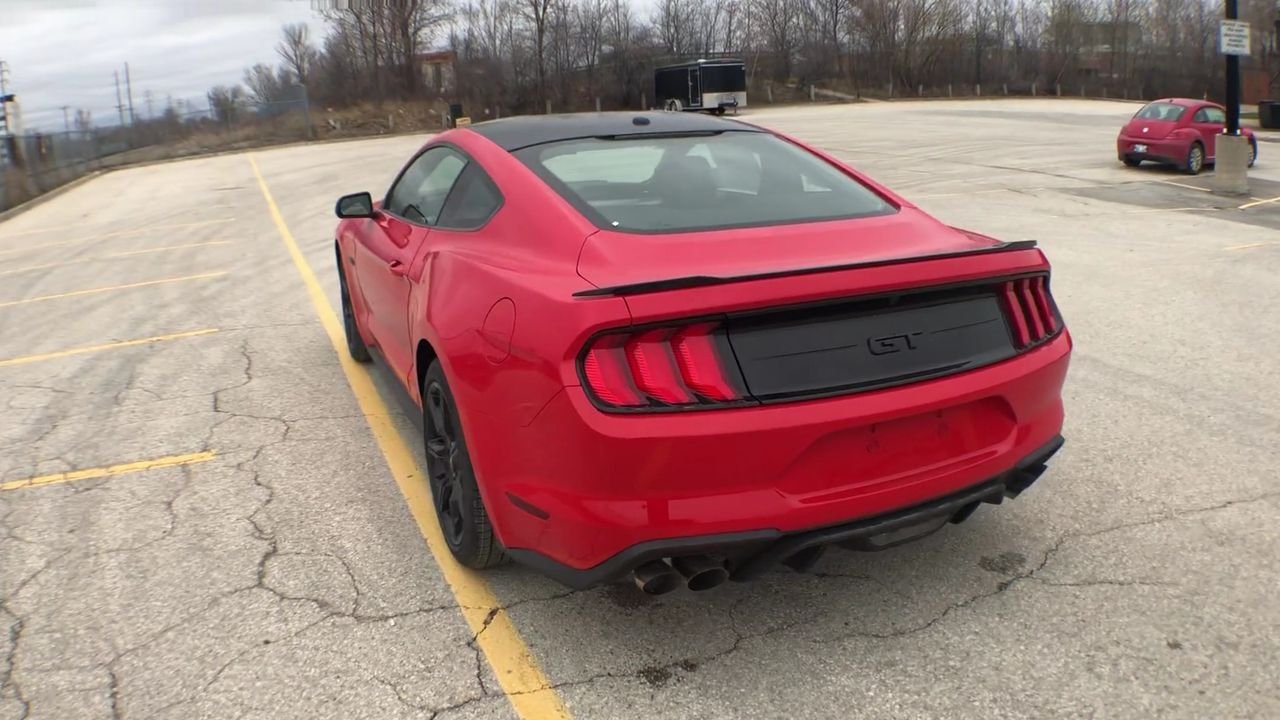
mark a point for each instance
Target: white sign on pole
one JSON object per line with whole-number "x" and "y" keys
{"x": 1233, "y": 37}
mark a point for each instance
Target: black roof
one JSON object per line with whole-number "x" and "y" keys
{"x": 706, "y": 61}
{"x": 514, "y": 133}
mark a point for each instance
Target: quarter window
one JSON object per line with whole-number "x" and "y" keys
{"x": 473, "y": 201}
{"x": 419, "y": 194}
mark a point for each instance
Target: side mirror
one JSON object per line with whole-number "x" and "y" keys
{"x": 358, "y": 205}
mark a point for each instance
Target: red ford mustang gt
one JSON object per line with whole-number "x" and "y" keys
{"x": 1179, "y": 132}
{"x": 683, "y": 349}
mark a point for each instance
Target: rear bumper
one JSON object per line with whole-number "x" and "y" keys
{"x": 1165, "y": 151}
{"x": 580, "y": 487}
{"x": 752, "y": 553}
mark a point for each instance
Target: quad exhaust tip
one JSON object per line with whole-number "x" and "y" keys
{"x": 700, "y": 572}
{"x": 656, "y": 578}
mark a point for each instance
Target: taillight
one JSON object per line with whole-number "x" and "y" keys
{"x": 670, "y": 367}
{"x": 1030, "y": 310}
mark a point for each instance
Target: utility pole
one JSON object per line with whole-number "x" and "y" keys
{"x": 119, "y": 100}
{"x": 128, "y": 87}
{"x": 66, "y": 118}
{"x": 150, "y": 100}
{"x": 1233, "y": 77}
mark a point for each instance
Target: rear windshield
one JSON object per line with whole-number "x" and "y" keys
{"x": 704, "y": 182}
{"x": 1161, "y": 111}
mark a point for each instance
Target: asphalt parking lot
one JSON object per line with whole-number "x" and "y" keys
{"x": 207, "y": 512}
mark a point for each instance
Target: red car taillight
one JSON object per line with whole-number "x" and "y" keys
{"x": 665, "y": 367}
{"x": 1030, "y": 311}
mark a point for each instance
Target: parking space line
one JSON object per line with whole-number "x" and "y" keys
{"x": 519, "y": 673}
{"x": 1184, "y": 185}
{"x": 116, "y": 233}
{"x": 111, "y": 256}
{"x": 27, "y": 359}
{"x": 1256, "y": 202}
{"x": 1250, "y": 245}
{"x": 110, "y": 471}
{"x": 112, "y": 288}
{"x": 111, "y": 235}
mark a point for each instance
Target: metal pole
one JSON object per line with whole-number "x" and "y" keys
{"x": 66, "y": 119}
{"x": 119, "y": 100}
{"x": 1233, "y": 78}
{"x": 306, "y": 110}
{"x": 128, "y": 88}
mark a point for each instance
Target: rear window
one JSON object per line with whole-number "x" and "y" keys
{"x": 1161, "y": 111}
{"x": 704, "y": 182}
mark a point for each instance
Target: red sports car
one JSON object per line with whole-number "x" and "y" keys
{"x": 683, "y": 349}
{"x": 1178, "y": 132}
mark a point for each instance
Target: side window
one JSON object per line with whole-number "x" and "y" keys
{"x": 1202, "y": 116}
{"x": 1216, "y": 116}
{"x": 473, "y": 201}
{"x": 420, "y": 192}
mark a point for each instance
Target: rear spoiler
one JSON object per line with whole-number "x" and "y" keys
{"x": 696, "y": 281}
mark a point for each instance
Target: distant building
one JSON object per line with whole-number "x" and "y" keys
{"x": 438, "y": 70}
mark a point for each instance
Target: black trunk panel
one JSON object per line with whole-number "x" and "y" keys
{"x": 867, "y": 345}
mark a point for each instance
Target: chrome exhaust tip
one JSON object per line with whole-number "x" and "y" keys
{"x": 700, "y": 572}
{"x": 656, "y": 578}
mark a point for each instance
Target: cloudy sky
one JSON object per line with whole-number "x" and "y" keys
{"x": 65, "y": 52}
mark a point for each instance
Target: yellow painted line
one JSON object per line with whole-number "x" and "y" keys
{"x": 128, "y": 253}
{"x": 1250, "y": 245}
{"x": 1184, "y": 185}
{"x": 111, "y": 471}
{"x": 114, "y": 233}
{"x": 26, "y": 359}
{"x": 112, "y": 288}
{"x": 1256, "y": 202}
{"x": 110, "y": 256}
{"x": 519, "y": 673}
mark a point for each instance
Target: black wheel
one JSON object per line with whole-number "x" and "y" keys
{"x": 1253, "y": 152}
{"x": 1195, "y": 159}
{"x": 1131, "y": 161}
{"x": 719, "y": 111}
{"x": 355, "y": 344}
{"x": 464, "y": 522}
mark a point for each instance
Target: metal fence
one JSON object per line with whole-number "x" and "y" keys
{"x": 35, "y": 163}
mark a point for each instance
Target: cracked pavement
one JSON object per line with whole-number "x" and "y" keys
{"x": 286, "y": 578}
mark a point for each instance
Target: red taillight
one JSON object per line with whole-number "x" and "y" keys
{"x": 700, "y": 365}
{"x": 1030, "y": 311}
{"x": 654, "y": 368}
{"x": 666, "y": 367}
{"x": 605, "y": 369}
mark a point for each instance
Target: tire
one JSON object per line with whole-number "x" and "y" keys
{"x": 673, "y": 105}
{"x": 1253, "y": 152}
{"x": 1195, "y": 159}
{"x": 1131, "y": 161}
{"x": 355, "y": 344}
{"x": 464, "y": 522}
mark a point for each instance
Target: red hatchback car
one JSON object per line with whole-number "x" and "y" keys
{"x": 1179, "y": 132}
{"x": 683, "y": 349}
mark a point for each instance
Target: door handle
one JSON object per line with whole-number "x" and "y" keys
{"x": 397, "y": 268}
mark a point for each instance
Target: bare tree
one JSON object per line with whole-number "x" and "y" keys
{"x": 297, "y": 52}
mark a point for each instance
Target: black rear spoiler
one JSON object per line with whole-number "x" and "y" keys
{"x": 696, "y": 281}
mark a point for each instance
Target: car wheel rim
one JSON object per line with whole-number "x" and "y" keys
{"x": 1197, "y": 158}
{"x": 442, "y": 464}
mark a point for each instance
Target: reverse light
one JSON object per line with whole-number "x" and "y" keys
{"x": 669, "y": 367}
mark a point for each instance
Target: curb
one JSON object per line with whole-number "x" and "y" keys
{"x": 41, "y": 199}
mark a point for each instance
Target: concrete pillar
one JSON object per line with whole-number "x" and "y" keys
{"x": 920, "y": 90}
{"x": 1033, "y": 89}
{"x": 1058, "y": 89}
{"x": 597, "y": 104}
{"x": 977, "y": 90}
{"x": 949, "y": 93}
{"x": 548, "y": 107}
{"x": 813, "y": 94}
{"x": 1231, "y": 165}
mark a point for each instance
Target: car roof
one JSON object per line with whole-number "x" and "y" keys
{"x": 1186, "y": 102}
{"x": 523, "y": 131}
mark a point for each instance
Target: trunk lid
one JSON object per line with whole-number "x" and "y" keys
{"x": 1151, "y": 129}
{"x": 610, "y": 259}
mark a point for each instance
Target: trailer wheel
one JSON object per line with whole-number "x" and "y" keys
{"x": 673, "y": 105}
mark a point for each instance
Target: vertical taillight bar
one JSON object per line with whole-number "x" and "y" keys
{"x": 668, "y": 367}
